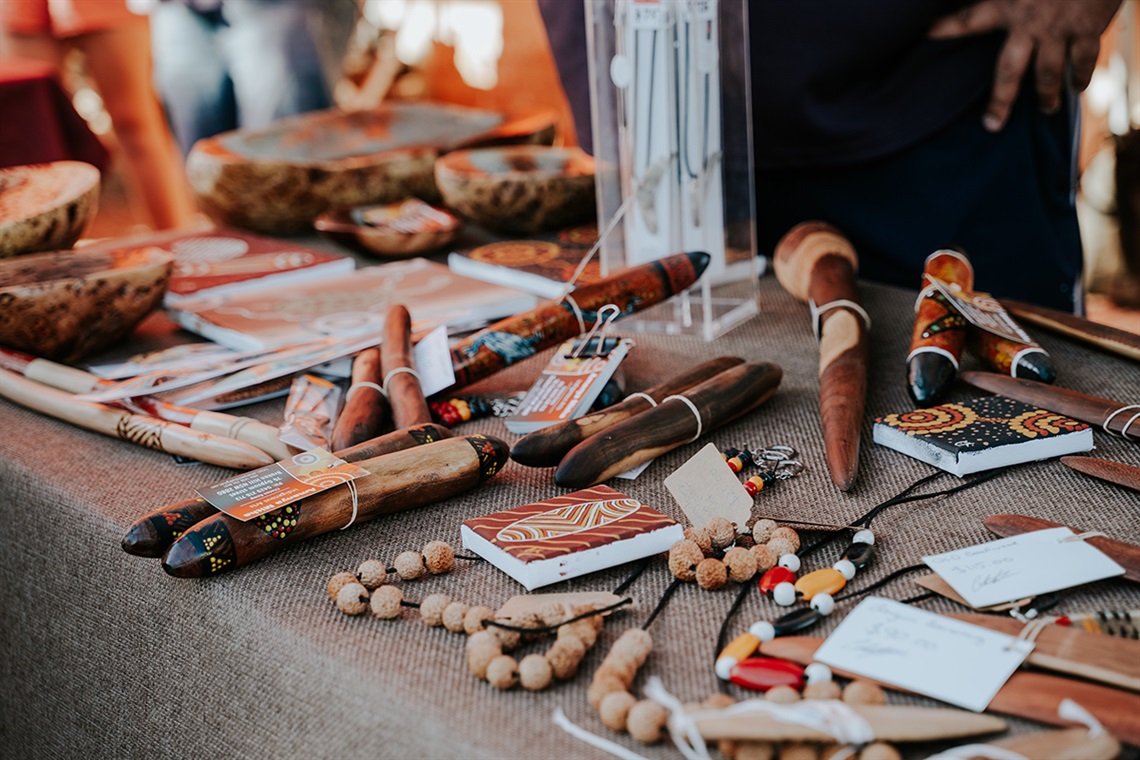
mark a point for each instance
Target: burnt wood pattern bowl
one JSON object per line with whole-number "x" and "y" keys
{"x": 46, "y": 207}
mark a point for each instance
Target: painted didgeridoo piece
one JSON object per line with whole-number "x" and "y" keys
{"x": 939, "y": 330}
{"x": 1013, "y": 358}
{"x": 365, "y": 405}
{"x": 153, "y": 533}
{"x": 1119, "y": 342}
{"x": 1036, "y": 696}
{"x": 521, "y": 336}
{"x": 139, "y": 429}
{"x": 816, "y": 264}
{"x": 1124, "y": 554}
{"x": 73, "y": 380}
{"x": 398, "y": 481}
{"x": 672, "y": 423}
{"x": 546, "y": 447}
{"x": 403, "y": 386}
{"x": 1105, "y": 469}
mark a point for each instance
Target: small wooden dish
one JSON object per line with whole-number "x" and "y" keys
{"x": 393, "y": 230}
{"x": 46, "y": 207}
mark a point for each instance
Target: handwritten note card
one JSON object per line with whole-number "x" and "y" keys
{"x": 940, "y": 657}
{"x": 1026, "y": 565}
{"x": 705, "y": 488}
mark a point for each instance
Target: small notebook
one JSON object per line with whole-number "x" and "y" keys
{"x": 568, "y": 536}
{"x": 541, "y": 267}
{"x": 982, "y": 434}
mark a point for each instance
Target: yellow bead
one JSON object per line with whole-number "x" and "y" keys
{"x": 463, "y": 409}
{"x": 757, "y": 481}
{"x": 740, "y": 648}
{"x": 828, "y": 580}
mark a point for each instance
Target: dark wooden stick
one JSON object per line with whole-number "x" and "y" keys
{"x": 398, "y": 481}
{"x": 1119, "y": 342}
{"x": 404, "y": 393}
{"x": 546, "y": 447}
{"x": 731, "y": 394}
{"x": 816, "y": 264}
{"x": 939, "y": 331}
{"x": 1010, "y": 357}
{"x": 1105, "y": 469}
{"x": 152, "y": 534}
{"x": 1124, "y": 554}
{"x": 365, "y": 408}
{"x": 516, "y": 338}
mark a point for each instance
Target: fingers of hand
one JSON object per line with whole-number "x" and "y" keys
{"x": 1083, "y": 53}
{"x": 1011, "y": 66}
{"x": 985, "y": 16}
{"x": 1049, "y": 69}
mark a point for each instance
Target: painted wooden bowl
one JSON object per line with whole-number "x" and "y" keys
{"x": 519, "y": 189}
{"x": 390, "y": 230}
{"x": 279, "y": 179}
{"x": 46, "y": 207}
{"x": 68, "y": 305}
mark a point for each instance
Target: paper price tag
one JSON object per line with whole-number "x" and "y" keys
{"x": 432, "y": 357}
{"x": 920, "y": 651}
{"x": 1026, "y": 565}
{"x": 706, "y": 488}
{"x": 634, "y": 472}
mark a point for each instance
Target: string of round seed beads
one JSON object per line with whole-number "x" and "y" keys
{"x": 713, "y": 555}
{"x": 353, "y": 593}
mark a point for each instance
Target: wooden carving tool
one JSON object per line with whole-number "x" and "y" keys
{"x": 153, "y": 533}
{"x": 139, "y": 429}
{"x": 516, "y": 338}
{"x": 365, "y": 406}
{"x": 1080, "y": 329}
{"x": 1079, "y": 406}
{"x": 1065, "y": 744}
{"x": 939, "y": 334}
{"x": 1125, "y": 555}
{"x": 546, "y": 447}
{"x": 398, "y": 481}
{"x": 890, "y": 723}
{"x": 816, "y": 264}
{"x": 731, "y": 394}
{"x": 1035, "y": 696}
{"x": 403, "y": 387}
{"x": 1105, "y": 469}
{"x": 73, "y": 380}
{"x": 1063, "y": 649}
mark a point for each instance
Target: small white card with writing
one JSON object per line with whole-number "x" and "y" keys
{"x": 1026, "y": 565}
{"x": 705, "y": 488}
{"x": 432, "y": 357}
{"x": 920, "y": 651}
{"x": 633, "y": 473}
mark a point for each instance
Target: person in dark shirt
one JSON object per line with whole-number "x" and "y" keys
{"x": 914, "y": 125}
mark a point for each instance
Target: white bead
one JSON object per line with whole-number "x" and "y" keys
{"x": 846, "y": 568}
{"x": 784, "y": 594}
{"x": 790, "y": 561}
{"x": 724, "y": 666}
{"x": 863, "y": 537}
{"x": 817, "y": 672}
{"x": 823, "y": 603}
{"x": 763, "y": 630}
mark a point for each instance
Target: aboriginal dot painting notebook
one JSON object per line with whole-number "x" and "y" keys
{"x": 568, "y": 536}
{"x": 982, "y": 434}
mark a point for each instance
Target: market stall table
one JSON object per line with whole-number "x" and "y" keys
{"x": 104, "y": 655}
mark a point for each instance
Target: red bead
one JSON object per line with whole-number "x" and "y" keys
{"x": 750, "y": 487}
{"x": 775, "y": 577}
{"x": 763, "y": 673}
{"x": 735, "y": 464}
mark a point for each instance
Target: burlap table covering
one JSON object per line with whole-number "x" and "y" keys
{"x": 106, "y": 656}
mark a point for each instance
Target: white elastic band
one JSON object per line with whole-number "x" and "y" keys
{"x": 696, "y": 413}
{"x": 987, "y": 751}
{"x": 1070, "y": 710}
{"x": 923, "y": 295}
{"x": 839, "y": 303}
{"x": 1032, "y": 630}
{"x": 1017, "y": 357}
{"x": 355, "y": 503}
{"x": 1123, "y": 431}
{"x": 933, "y": 350}
{"x": 577, "y": 312}
{"x": 396, "y": 371}
{"x": 237, "y": 425}
{"x": 593, "y": 740}
{"x": 1084, "y": 536}
{"x": 645, "y": 396}
{"x": 366, "y": 384}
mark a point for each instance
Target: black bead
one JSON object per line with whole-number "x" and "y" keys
{"x": 797, "y": 620}
{"x": 859, "y": 553}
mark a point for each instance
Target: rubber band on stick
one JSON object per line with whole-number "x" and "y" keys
{"x": 696, "y": 413}
{"x": 396, "y": 371}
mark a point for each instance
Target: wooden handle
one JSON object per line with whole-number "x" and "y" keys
{"x": 939, "y": 334}
{"x": 365, "y": 408}
{"x": 404, "y": 393}
{"x": 1119, "y": 342}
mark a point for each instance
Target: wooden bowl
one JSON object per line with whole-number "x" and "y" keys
{"x": 393, "y": 230}
{"x": 519, "y": 189}
{"x": 68, "y": 305}
{"x": 45, "y": 207}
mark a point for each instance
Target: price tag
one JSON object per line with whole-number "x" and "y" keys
{"x": 920, "y": 651}
{"x": 432, "y": 357}
{"x": 1026, "y": 565}
{"x": 706, "y": 488}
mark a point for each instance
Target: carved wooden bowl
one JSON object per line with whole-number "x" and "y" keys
{"x": 519, "y": 189}
{"x": 68, "y": 305}
{"x": 46, "y": 207}
{"x": 392, "y": 230}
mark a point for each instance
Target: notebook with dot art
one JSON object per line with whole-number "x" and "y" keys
{"x": 982, "y": 434}
{"x": 568, "y": 536}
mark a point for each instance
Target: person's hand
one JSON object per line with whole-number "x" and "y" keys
{"x": 1050, "y": 33}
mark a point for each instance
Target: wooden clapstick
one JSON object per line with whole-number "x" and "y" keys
{"x": 890, "y": 723}
{"x": 365, "y": 407}
{"x": 1105, "y": 469}
{"x": 398, "y": 481}
{"x": 939, "y": 334}
{"x": 546, "y": 447}
{"x": 670, "y": 424}
{"x": 1027, "y": 361}
{"x": 152, "y": 534}
{"x": 1124, "y": 554}
{"x": 1036, "y": 696}
{"x": 1108, "y": 338}
{"x": 1066, "y": 744}
{"x": 404, "y": 393}
{"x": 816, "y": 264}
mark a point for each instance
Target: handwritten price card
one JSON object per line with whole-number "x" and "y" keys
{"x": 1026, "y": 565}
{"x": 920, "y": 651}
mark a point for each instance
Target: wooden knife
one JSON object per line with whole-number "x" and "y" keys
{"x": 1080, "y": 406}
{"x": 1126, "y": 555}
{"x": 1108, "y": 338}
{"x": 1105, "y": 469}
